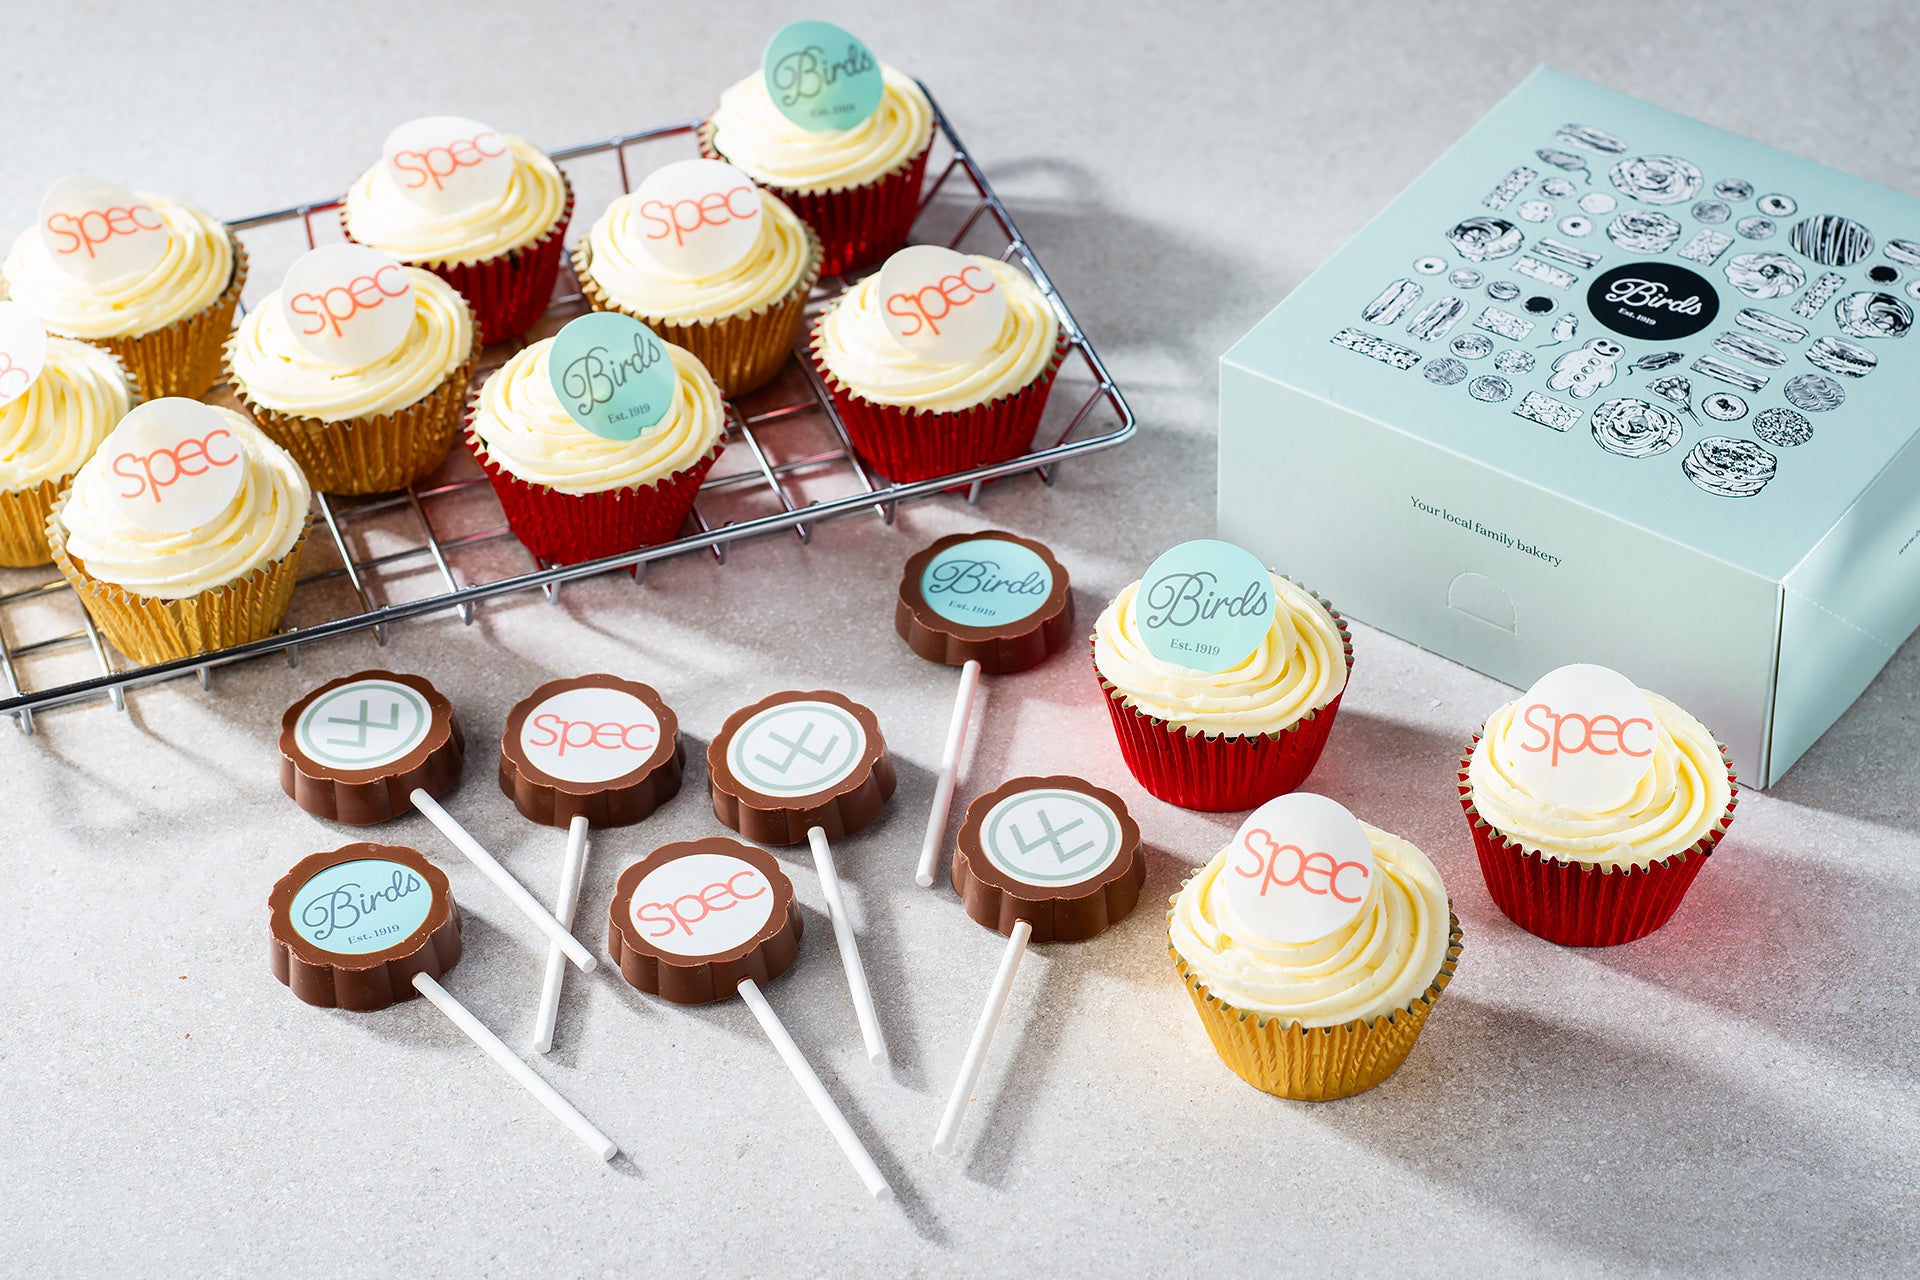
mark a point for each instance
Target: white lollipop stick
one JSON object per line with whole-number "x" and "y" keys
{"x": 496, "y": 1048}
{"x": 816, "y": 1092}
{"x": 572, "y": 868}
{"x": 849, "y": 947}
{"x": 503, "y": 880}
{"x": 949, "y": 771}
{"x": 982, "y": 1037}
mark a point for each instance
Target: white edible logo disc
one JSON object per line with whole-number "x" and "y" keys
{"x": 98, "y": 231}
{"x": 23, "y": 351}
{"x": 702, "y": 904}
{"x": 943, "y": 306}
{"x": 590, "y": 734}
{"x": 363, "y": 725}
{"x": 448, "y": 164}
{"x": 173, "y": 464}
{"x": 1582, "y": 737}
{"x": 1299, "y": 868}
{"x": 796, "y": 748}
{"x": 347, "y": 304}
{"x": 698, "y": 217}
{"x": 1051, "y": 836}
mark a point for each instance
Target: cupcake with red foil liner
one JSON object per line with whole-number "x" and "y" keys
{"x": 848, "y": 153}
{"x": 1237, "y": 736}
{"x": 485, "y": 211}
{"x": 915, "y": 411}
{"x": 1593, "y": 807}
{"x": 1313, "y": 975}
{"x": 574, "y": 487}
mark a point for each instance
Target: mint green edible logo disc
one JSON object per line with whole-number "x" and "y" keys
{"x": 357, "y": 908}
{"x": 1205, "y": 605}
{"x": 986, "y": 582}
{"x": 613, "y": 376}
{"x": 821, "y": 77}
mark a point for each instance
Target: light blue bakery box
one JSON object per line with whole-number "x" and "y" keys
{"x": 1607, "y": 385}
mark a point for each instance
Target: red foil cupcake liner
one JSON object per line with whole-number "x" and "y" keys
{"x": 567, "y": 528}
{"x": 1220, "y": 774}
{"x": 508, "y": 292}
{"x": 906, "y": 445}
{"x": 1577, "y": 905}
{"x": 858, "y": 226}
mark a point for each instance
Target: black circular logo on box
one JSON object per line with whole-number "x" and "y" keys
{"x": 1653, "y": 300}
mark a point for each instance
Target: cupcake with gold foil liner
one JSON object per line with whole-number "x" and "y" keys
{"x": 24, "y": 512}
{"x": 1315, "y": 1064}
{"x": 185, "y": 358}
{"x": 743, "y": 350}
{"x": 149, "y": 629}
{"x": 377, "y": 452}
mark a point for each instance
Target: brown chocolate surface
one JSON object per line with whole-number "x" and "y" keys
{"x": 841, "y": 805}
{"x": 697, "y": 904}
{"x": 1072, "y": 889}
{"x": 360, "y": 904}
{"x": 342, "y": 790}
{"x": 572, "y": 725}
{"x": 1000, "y": 647}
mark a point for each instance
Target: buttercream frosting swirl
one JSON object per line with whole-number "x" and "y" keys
{"x": 627, "y": 273}
{"x": 45, "y": 434}
{"x": 1383, "y": 959}
{"x": 381, "y": 216}
{"x": 193, "y": 271}
{"x": 275, "y": 370}
{"x": 855, "y": 346}
{"x": 1299, "y": 667}
{"x": 259, "y": 525}
{"x": 528, "y": 433}
{"x": 750, "y": 133}
{"x": 1682, "y": 796}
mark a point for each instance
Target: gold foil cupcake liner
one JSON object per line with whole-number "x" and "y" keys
{"x": 24, "y": 512}
{"x": 148, "y": 629}
{"x": 185, "y": 358}
{"x": 744, "y": 349}
{"x": 1315, "y": 1064}
{"x": 375, "y": 453}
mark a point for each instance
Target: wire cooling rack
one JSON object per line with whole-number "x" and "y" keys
{"x": 444, "y": 544}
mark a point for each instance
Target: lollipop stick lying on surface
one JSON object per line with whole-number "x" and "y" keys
{"x": 503, "y": 880}
{"x": 572, "y": 868}
{"x": 816, "y": 1092}
{"x": 849, "y": 947}
{"x": 949, "y": 769}
{"x": 496, "y": 1048}
{"x": 982, "y": 1037}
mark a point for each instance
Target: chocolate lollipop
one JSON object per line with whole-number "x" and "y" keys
{"x": 1050, "y": 859}
{"x": 699, "y": 920}
{"x": 806, "y": 766}
{"x": 366, "y": 926}
{"x": 987, "y": 601}
{"x": 595, "y": 750}
{"x": 369, "y": 746}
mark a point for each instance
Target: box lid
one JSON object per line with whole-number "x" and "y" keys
{"x": 1547, "y": 294}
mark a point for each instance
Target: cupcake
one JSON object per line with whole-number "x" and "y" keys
{"x": 359, "y": 416}
{"x": 182, "y": 533}
{"x": 914, "y": 416}
{"x": 572, "y": 494}
{"x": 859, "y": 186}
{"x": 1314, "y": 1000}
{"x": 51, "y": 421}
{"x": 1229, "y": 738}
{"x": 1592, "y": 815}
{"x": 492, "y": 227}
{"x": 735, "y": 301}
{"x": 160, "y": 293}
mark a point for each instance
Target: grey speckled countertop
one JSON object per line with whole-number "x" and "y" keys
{"x": 1735, "y": 1095}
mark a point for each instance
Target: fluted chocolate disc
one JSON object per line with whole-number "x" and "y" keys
{"x": 693, "y": 918}
{"x": 597, "y": 746}
{"x": 1057, "y": 852}
{"x": 989, "y": 597}
{"x": 797, "y": 760}
{"x": 355, "y": 749}
{"x": 351, "y": 927}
